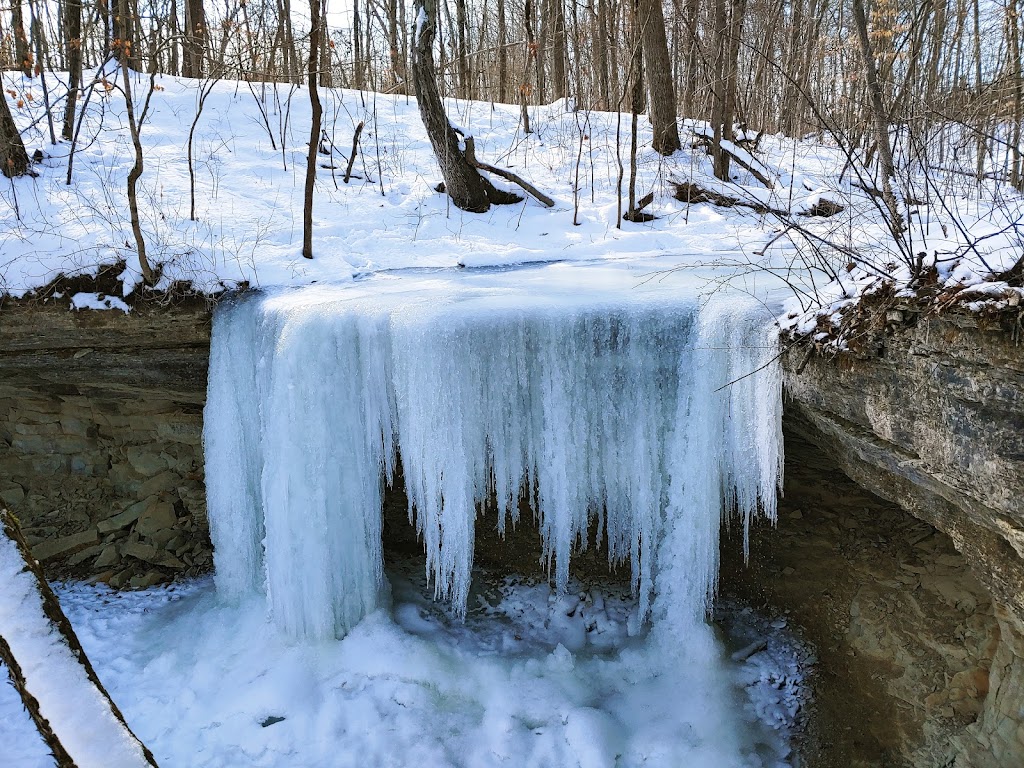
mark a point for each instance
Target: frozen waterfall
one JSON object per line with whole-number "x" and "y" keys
{"x": 607, "y": 407}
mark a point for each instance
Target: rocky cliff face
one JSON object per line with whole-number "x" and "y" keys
{"x": 934, "y": 421}
{"x": 101, "y": 437}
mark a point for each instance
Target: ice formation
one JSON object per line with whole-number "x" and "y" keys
{"x": 639, "y": 414}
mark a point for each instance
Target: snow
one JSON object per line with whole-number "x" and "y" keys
{"x": 609, "y": 407}
{"x": 250, "y": 164}
{"x": 75, "y": 709}
{"x": 196, "y": 678}
{"x": 84, "y": 300}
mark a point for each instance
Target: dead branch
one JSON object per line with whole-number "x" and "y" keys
{"x": 60, "y": 755}
{"x": 352, "y": 155}
{"x": 878, "y": 194}
{"x": 55, "y": 615}
{"x": 688, "y": 192}
{"x": 470, "y": 153}
{"x": 706, "y": 143}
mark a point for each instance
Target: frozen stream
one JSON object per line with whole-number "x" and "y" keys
{"x": 605, "y": 405}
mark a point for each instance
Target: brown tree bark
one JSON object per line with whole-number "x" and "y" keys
{"x": 555, "y": 24}
{"x": 661, "y": 102}
{"x": 195, "y": 38}
{"x": 728, "y": 24}
{"x": 395, "y": 51}
{"x": 691, "y": 46}
{"x": 315, "y": 41}
{"x": 465, "y": 90}
{"x": 1016, "y": 78}
{"x": 879, "y": 115}
{"x": 22, "y": 49}
{"x": 134, "y": 128}
{"x": 13, "y": 157}
{"x": 73, "y": 56}
{"x": 502, "y": 96}
{"x": 467, "y": 188}
{"x": 124, "y": 45}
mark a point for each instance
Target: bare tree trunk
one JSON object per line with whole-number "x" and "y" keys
{"x": 195, "y": 37}
{"x": 73, "y": 49}
{"x": 124, "y": 44}
{"x": 315, "y": 41}
{"x": 691, "y": 14}
{"x": 357, "y": 48}
{"x": 395, "y": 50}
{"x": 1013, "y": 35}
{"x": 135, "y": 128}
{"x": 465, "y": 89}
{"x": 525, "y": 88}
{"x": 175, "y": 32}
{"x": 604, "y": 95}
{"x": 555, "y": 12}
{"x": 467, "y": 188}
{"x": 661, "y": 102}
{"x": 22, "y": 50}
{"x": 719, "y": 108}
{"x": 502, "y": 54}
{"x": 12, "y": 149}
{"x": 879, "y": 116}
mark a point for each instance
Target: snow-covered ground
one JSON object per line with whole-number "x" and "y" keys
{"x": 206, "y": 684}
{"x": 249, "y": 153}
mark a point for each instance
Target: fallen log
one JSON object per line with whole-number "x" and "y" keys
{"x": 65, "y": 698}
{"x": 637, "y": 215}
{"x": 730, "y": 148}
{"x": 688, "y": 192}
{"x": 505, "y": 174}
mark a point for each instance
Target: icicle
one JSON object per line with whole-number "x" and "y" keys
{"x": 613, "y": 415}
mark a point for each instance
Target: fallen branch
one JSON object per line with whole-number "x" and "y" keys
{"x": 60, "y": 755}
{"x": 688, "y": 192}
{"x": 352, "y": 155}
{"x": 69, "y": 696}
{"x": 877, "y": 193}
{"x": 757, "y": 173}
{"x": 507, "y": 175}
{"x": 636, "y": 215}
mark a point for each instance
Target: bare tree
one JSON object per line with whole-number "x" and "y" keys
{"x": 661, "y": 102}
{"x": 879, "y": 115}
{"x": 195, "y": 38}
{"x": 135, "y": 122}
{"x": 467, "y": 188}
{"x": 315, "y": 41}
{"x": 73, "y": 56}
{"x": 22, "y": 49}
{"x": 13, "y": 156}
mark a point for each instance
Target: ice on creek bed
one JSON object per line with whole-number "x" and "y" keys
{"x": 609, "y": 408}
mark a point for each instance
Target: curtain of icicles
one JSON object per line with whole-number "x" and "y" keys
{"x": 646, "y": 416}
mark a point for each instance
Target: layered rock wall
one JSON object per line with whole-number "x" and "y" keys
{"x": 101, "y": 438}
{"x": 934, "y": 421}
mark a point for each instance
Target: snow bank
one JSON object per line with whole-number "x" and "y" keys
{"x": 79, "y": 715}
